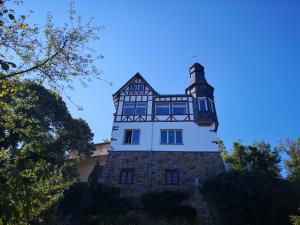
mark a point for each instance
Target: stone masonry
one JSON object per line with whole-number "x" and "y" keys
{"x": 149, "y": 173}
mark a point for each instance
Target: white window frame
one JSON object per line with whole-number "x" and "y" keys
{"x": 132, "y": 130}
{"x": 211, "y": 105}
{"x": 175, "y": 141}
{"x": 162, "y": 107}
{"x": 140, "y": 85}
{"x": 133, "y": 85}
{"x": 174, "y": 103}
{"x": 205, "y": 101}
{"x": 136, "y": 106}
{"x": 133, "y": 106}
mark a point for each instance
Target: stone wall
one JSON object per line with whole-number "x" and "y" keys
{"x": 149, "y": 169}
{"x": 149, "y": 173}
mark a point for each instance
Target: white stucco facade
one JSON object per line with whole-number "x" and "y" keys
{"x": 195, "y": 138}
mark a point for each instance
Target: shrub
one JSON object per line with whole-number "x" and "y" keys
{"x": 250, "y": 198}
{"x": 166, "y": 205}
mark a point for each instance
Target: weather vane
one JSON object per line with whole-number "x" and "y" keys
{"x": 195, "y": 58}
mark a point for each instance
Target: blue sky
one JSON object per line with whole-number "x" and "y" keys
{"x": 250, "y": 51}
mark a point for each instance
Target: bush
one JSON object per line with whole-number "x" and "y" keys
{"x": 98, "y": 199}
{"x": 250, "y": 198}
{"x": 166, "y": 205}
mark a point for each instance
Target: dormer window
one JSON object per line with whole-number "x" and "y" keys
{"x": 179, "y": 108}
{"x": 128, "y": 108}
{"x": 162, "y": 108}
{"x": 202, "y": 104}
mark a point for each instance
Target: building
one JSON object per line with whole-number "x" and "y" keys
{"x": 163, "y": 141}
{"x": 85, "y": 166}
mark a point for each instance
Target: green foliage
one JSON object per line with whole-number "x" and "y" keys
{"x": 292, "y": 164}
{"x": 36, "y": 130}
{"x": 166, "y": 205}
{"x": 295, "y": 219}
{"x": 86, "y": 200}
{"x": 259, "y": 156}
{"x": 47, "y": 53}
{"x": 250, "y": 198}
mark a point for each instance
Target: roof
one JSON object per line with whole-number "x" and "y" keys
{"x": 137, "y": 75}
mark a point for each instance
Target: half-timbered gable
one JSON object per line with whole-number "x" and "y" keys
{"x": 133, "y": 101}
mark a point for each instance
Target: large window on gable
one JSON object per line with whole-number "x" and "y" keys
{"x": 140, "y": 108}
{"x": 162, "y": 108}
{"x": 128, "y": 108}
{"x": 202, "y": 104}
{"x": 132, "y": 137}
{"x": 171, "y": 137}
{"x": 179, "y": 108}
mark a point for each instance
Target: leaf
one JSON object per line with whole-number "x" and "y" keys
{"x": 24, "y": 26}
{"x": 4, "y": 66}
{"x": 1, "y": 23}
{"x": 11, "y": 16}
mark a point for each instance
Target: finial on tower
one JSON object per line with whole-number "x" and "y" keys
{"x": 195, "y": 58}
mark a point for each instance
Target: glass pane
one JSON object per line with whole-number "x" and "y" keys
{"x": 128, "y": 108}
{"x": 163, "y": 137}
{"x": 141, "y": 87}
{"x": 129, "y": 177}
{"x": 178, "y": 137}
{"x": 162, "y": 108}
{"x": 123, "y": 177}
{"x": 171, "y": 137}
{"x": 202, "y": 104}
{"x": 133, "y": 87}
{"x": 135, "y": 137}
{"x": 179, "y": 108}
{"x": 140, "y": 108}
{"x": 127, "y": 138}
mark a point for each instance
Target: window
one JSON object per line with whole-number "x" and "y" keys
{"x": 172, "y": 177}
{"x": 202, "y": 104}
{"x": 179, "y": 108}
{"x": 211, "y": 106}
{"x": 128, "y": 108}
{"x": 126, "y": 176}
{"x": 140, "y": 87}
{"x": 133, "y": 87}
{"x": 140, "y": 108}
{"x": 162, "y": 108}
{"x": 132, "y": 137}
{"x": 171, "y": 137}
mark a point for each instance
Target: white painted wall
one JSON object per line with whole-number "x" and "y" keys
{"x": 195, "y": 138}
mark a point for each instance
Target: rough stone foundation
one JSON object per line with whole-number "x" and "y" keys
{"x": 149, "y": 173}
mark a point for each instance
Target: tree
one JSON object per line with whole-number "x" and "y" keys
{"x": 36, "y": 130}
{"x": 50, "y": 54}
{"x": 258, "y": 157}
{"x": 292, "y": 164}
{"x": 295, "y": 219}
{"x": 250, "y": 198}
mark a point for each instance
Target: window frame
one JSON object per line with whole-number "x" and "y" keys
{"x": 146, "y": 105}
{"x": 167, "y": 171}
{"x": 126, "y": 171}
{"x": 211, "y": 105}
{"x": 199, "y": 105}
{"x": 175, "y": 136}
{"x": 186, "y": 108}
{"x": 131, "y": 87}
{"x": 169, "y": 108}
{"x": 132, "y": 130}
{"x": 124, "y": 105}
{"x": 140, "y": 85}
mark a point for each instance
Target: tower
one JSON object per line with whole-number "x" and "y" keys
{"x": 163, "y": 141}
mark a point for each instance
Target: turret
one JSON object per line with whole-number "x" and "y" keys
{"x": 203, "y": 94}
